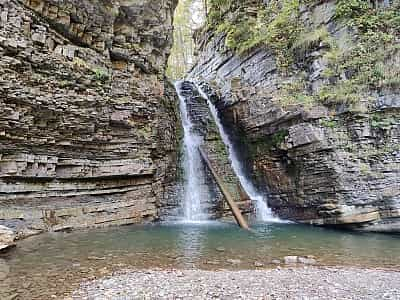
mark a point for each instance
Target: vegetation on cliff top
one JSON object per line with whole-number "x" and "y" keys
{"x": 249, "y": 24}
{"x": 370, "y": 60}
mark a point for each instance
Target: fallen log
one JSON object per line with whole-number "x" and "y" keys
{"x": 228, "y": 197}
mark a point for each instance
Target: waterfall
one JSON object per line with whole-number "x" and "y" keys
{"x": 193, "y": 166}
{"x": 263, "y": 212}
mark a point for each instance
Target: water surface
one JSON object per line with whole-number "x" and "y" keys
{"x": 55, "y": 263}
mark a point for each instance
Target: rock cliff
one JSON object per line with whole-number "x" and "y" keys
{"x": 87, "y": 120}
{"x": 313, "y": 87}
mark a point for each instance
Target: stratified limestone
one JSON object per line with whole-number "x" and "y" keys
{"x": 87, "y": 119}
{"x": 320, "y": 165}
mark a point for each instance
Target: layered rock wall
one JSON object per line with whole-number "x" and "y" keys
{"x": 87, "y": 120}
{"x": 322, "y": 164}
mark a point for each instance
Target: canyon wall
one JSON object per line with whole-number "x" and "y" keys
{"x": 315, "y": 98}
{"x": 87, "y": 119}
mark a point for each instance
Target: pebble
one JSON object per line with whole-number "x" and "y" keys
{"x": 233, "y": 261}
{"x": 281, "y": 283}
{"x": 96, "y": 258}
{"x": 258, "y": 264}
{"x": 276, "y": 261}
{"x": 307, "y": 261}
{"x": 290, "y": 259}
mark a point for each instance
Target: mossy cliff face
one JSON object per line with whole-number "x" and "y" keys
{"x": 313, "y": 88}
{"x": 87, "y": 119}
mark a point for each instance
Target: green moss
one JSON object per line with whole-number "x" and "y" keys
{"x": 342, "y": 92}
{"x": 296, "y": 92}
{"x": 369, "y": 62}
{"x": 267, "y": 144}
{"x": 283, "y": 31}
{"x": 220, "y": 149}
{"x": 352, "y": 8}
{"x": 279, "y": 137}
{"x": 372, "y": 62}
{"x": 101, "y": 75}
{"x": 328, "y": 123}
{"x": 311, "y": 40}
{"x": 378, "y": 121}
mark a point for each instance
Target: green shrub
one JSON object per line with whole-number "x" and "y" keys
{"x": 101, "y": 75}
{"x": 276, "y": 25}
{"x": 328, "y": 123}
{"x": 347, "y": 9}
{"x": 310, "y": 40}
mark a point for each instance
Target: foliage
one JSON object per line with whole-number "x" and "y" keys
{"x": 295, "y": 92}
{"x": 266, "y": 144}
{"x": 310, "y": 40}
{"x": 276, "y": 25}
{"x": 279, "y": 137}
{"x": 185, "y": 23}
{"x": 373, "y": 62}
{"x": 380, "y": 122}
{"x": 369, "y": 61}
{"x": 101, "y": 75}
{"x": 328, "y": 123}
{"x": 352, "y": 8}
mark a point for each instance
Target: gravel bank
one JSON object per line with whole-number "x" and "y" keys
{"x": 288, "y": 283}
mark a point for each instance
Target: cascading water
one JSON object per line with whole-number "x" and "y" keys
{"x": 192, "y": 163}
{"x": 263, "y": 212}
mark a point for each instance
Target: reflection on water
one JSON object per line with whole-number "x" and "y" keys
{"x": 54, "y": 263}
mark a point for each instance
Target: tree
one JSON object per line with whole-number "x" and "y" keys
{"x": 189, "y": 15}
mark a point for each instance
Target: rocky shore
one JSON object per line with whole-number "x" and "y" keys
{"x": 286, "y": 283}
